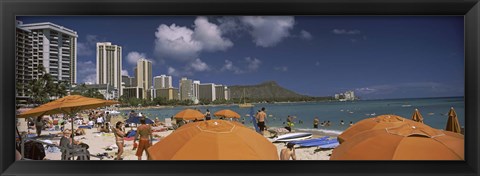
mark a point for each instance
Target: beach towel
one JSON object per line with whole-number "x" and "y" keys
{"x": 85, "y": 126}
{"x": 131, "y": 133}
{"x": 158, "y": 129}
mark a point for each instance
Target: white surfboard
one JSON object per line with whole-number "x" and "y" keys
{"x": 292, "y": 137}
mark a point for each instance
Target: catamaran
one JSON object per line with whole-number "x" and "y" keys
{"x": 245, "y": 104}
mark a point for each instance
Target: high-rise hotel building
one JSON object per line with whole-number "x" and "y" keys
{"x": 144, "y": 75}
{"x": 54, "y": 47}
{"x": 23, "y": 57}
{"x": 109, "y": 65}
{"x": 186, "y": 89}
{"x": 162, "y": 82}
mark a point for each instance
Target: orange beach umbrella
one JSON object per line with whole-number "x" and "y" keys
{"x": 378, "y": 122}
{"x": 452, "y": 124}
{"x": 69, "y": 105}
{"x": 417, "y": 117}
{"x": 189, "y": 114}
{"x": 404, "y": 142}
{"x": 227, "y": 113}
{"x": 213, "y": 140}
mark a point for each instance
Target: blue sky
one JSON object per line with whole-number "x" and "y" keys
{"x": 378, "y": 57}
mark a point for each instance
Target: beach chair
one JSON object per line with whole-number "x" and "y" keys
{"x": 169, "y": 125}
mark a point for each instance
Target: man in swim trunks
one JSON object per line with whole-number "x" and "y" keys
{"x": 261, "y": 120}
{"x": 144, "y": 131}
{"x": 288, "y": 152}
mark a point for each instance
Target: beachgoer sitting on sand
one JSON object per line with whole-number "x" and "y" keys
{"x": 103, "y": 129}
{"x": 80, "y": 131}
{"x": 91, "y": 123}
{"x": 288, "y": 152}
{"x": 119, "y": 134}
{"x": 144, "y": 132}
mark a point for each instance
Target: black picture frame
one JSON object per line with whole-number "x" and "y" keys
{"x": 470, "y": 9}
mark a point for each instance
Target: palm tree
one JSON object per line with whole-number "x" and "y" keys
{"x": 61, "y": 89}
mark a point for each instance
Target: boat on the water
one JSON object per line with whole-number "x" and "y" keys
{"x": 112, "y": 112}
{"x": 245, "y": 104}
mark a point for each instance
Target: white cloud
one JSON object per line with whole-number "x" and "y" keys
{"x": 282, "y": 68}
{"x": 305, "y": 35}
{"x": 210, "y": 36}
{"x": 179, "y": 73}
{"x": 91, "y": 78}
{"x": 185, "y": 44}
{"x": 133, "y": 57}
{"x": 176, "y": 42}
{"x": 253, "y": 63}
{"x": 87, "y": 71}
{"x": 87, "y": 48}
{"x": 346, "y": 32}
{"x": 199, "y": 66}
{"x": 125, "y": 72}
{"x": 172, "y": 71}
{"x": 230, "y": 67}
{"x": 230, "y": 24}
{"x": 268, "y": 31}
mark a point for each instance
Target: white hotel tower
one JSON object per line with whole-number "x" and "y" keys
{"x": 54, "y": 47}
{"x": 109, "y": 65}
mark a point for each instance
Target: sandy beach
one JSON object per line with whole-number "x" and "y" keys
{"x": 99, "y": 142}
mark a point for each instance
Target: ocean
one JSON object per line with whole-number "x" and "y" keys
{"x": 433, "y": 110}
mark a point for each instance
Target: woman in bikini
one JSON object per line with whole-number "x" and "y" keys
{"x": 119, "y": 134}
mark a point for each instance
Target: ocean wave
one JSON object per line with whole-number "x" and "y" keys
{"x": 321, "y": 130}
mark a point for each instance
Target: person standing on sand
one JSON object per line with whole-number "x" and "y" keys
{"x": 119, "y": 134}
{"x": 315, "y": 122}
{"x": 144, "y": 132}
{"x": 208, "y": 116}
{"x": 288, "y": 152}
{"x": 39, "y": 125}
{"x": 261, "y": 117}
{"x": 108, "y": 117}
{"x": 290, "y": 123}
